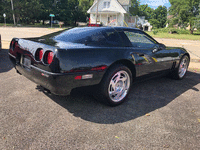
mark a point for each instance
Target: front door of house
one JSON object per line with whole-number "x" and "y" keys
{"x": 112, "y": 20}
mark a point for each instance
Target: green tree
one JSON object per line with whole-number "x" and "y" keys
{"x": 185, "y": 11}
{"x": 197, "y": 22}
{"x": 134, "y": 9}
{"x": 146, "y": 11}
{"x": 159, "y": 17}
{"x": 155, "y": 23}
{"x": 5, "y": 7}
{"x": 48, "y": 7}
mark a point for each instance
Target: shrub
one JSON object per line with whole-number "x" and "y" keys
{"x": 155, "y": 32}
{"x": 172, "y": 30}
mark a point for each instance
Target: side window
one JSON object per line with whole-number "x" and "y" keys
{"x": 113, "y": 38}
{"x": 139, "y": 39}
{"x": 97, "y": 37}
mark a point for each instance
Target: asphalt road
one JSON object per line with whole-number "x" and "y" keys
{"x": 160, "y": 113}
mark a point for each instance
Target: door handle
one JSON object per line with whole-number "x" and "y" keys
{"x": 141, "y": 54}
{"x": 154, "y": 50}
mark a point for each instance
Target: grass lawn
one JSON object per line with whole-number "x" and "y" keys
{"x": 175, "y": 36}
{"x": 7, "y": 24}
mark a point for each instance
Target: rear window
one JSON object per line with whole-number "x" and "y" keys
{"x": 95, "y": 36}
{"x": 81, "y": 35}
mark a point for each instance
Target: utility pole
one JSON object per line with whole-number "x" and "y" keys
{"x": 13, "y": 12}
{"x": 97, "y": 11}
{"x": 4, "y": 15}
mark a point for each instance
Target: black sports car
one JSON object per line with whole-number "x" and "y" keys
{"x": 109, "y": 58}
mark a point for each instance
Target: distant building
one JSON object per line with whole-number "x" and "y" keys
{"x": 116, "y": 13}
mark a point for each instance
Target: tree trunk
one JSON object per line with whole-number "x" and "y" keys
{"x": 191, "y": 31}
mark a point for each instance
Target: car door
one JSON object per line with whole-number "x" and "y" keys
{"x": 150, "y": 56}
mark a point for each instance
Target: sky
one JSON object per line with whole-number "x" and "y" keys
{"x": 155, "y": 3}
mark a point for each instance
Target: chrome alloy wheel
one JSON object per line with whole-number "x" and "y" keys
{"x": 119, "y": 86}
{"x": 183, "y": 67}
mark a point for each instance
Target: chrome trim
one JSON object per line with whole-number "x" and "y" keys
{"x": 11, "y": 55}
{"x": 45, "y": 72}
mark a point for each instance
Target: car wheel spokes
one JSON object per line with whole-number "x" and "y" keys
{"x": 183, "y": 67}
{"x": 119, "y": 85}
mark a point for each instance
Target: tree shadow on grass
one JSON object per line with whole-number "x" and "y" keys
{"x": 5, "y": 63}
{"x": 144, "y": 97}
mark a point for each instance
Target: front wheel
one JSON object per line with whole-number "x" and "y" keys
{"x": 115, "y": 86}
{"x": 180, "y": 72}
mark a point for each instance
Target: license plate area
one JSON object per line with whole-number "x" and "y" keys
{"x": 26, "y": 61}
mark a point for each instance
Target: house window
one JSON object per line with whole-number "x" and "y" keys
{"x": 106, "y": 4}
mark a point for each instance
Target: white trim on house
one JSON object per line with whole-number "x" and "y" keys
{"x": 115, "y": 13}
{"x": 114, "y": 5}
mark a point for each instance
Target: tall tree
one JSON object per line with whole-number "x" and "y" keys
{"x": 5, "y": 7}
{"x": 146, "y": 11}
{"x": 197, "y": 22}
{"x": 47, "y": 9}
{"x": 185, "y": 11}
{"x": 134, "y": 9}
{"x": 159, "y": 17}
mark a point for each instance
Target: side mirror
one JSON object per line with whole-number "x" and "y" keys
{"x": 161, "y": 46}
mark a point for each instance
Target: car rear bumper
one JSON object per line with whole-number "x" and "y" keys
{"x": 57, "y": 83}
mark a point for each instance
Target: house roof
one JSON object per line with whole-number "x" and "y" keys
{"x": 124, "y": 2}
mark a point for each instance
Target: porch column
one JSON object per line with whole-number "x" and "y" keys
{"x": 116, "y": 20}
{"x": 100, "y": 18}
{"x": 107, "y": 20}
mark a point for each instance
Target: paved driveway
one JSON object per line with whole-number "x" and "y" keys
{"x": 160, "y": 114}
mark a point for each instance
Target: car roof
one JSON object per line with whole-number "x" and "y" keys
{"x": 107, "y": 27}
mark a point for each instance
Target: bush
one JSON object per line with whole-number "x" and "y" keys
{"x": 172, "y": 30}
{"x": 155, "y": 32}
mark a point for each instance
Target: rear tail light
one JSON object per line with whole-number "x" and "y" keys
{"x": 39, "y": 54}
{"x": 48, "y": 57}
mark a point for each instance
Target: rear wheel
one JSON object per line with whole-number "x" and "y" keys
{"x": 115, "y": 86}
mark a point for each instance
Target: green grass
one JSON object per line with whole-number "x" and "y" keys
{"x": 196, "y": 36}
{"x": 7, "y": 24}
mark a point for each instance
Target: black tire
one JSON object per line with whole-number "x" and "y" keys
{"x": 120, "y": 77}
{"x": 180, "y": 72}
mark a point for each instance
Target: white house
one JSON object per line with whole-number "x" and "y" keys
{"x": 115, "y": 13}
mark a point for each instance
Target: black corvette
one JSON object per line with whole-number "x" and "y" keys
{"x": 109, "y": 58}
